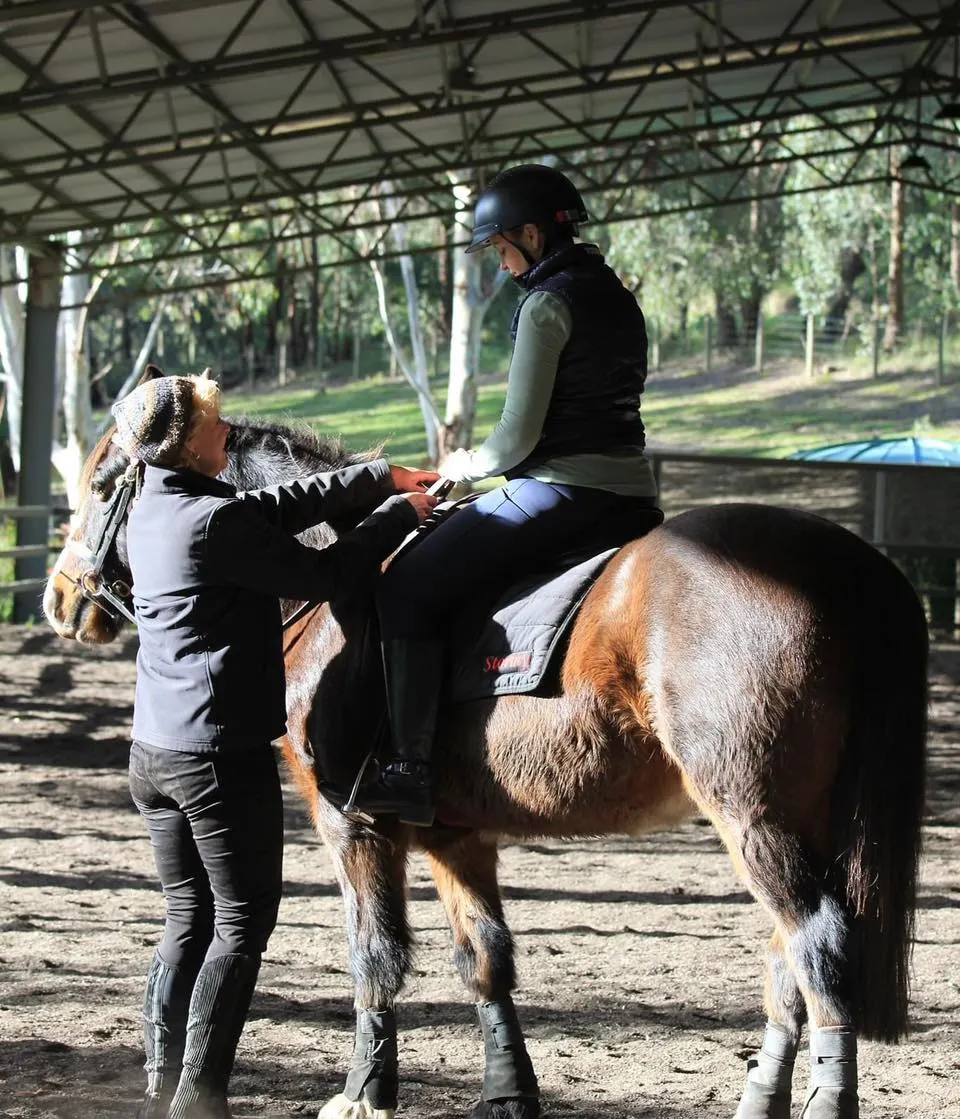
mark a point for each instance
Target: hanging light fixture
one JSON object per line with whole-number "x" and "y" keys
{"x": 950, "y": 110}
{"x": 915, "y": 161}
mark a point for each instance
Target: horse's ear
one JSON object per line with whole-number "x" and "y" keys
{"x": 150, "y": 373}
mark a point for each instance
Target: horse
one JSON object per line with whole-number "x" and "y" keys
{"x": 760, "y": 666}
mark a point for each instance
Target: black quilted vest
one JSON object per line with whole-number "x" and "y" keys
{"x": 595, "y": 405}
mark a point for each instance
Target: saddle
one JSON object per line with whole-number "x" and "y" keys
{"x": 509, "y": 641}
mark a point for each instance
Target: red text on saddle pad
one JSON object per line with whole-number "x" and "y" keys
{"x": 512, "y": 662}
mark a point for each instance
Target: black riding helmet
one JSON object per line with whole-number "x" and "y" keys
{"x": 528, "y": 193}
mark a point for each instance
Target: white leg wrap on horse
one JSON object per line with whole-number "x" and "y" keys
{"x": 342, "y": 1108}
{"x": 833, "y": 1075}
{"x": 769, "y": 1077}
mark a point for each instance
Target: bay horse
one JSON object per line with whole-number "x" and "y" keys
{"x": 761, "y": 666}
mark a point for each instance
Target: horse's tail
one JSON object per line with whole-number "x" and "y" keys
{"x": 878, "y": 803}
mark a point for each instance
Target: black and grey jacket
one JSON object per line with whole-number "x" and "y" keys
{"x": 209, "y": 567}
{"x": 595, "y": 405}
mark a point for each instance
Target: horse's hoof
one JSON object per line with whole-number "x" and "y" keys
{"x": 525, "y": 1107}
{"x": 762, "y": 1101}
{"x": 342, "y": 1108}
{"x": 831, "y": 1103}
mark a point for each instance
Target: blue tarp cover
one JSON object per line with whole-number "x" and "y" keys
{"x": 908, "y": 450}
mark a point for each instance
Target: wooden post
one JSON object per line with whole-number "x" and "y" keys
{"x": 808, "y": 348}
{"x": 876, "y": 347}
{"x": 708, "y": 343}
{"x": 282, "y": 359}
{"x": 251, "y": 358}
{"x": 942, "y": 347}
{"x": 879, "y": 507}
{"x": 357, "y": 326}
{"x": 655, "y": 335}
{"x": 758, "y": 343}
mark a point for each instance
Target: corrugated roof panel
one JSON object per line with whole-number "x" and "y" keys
{"x": 400, "y": 79}
{"x": 202, "y": 34}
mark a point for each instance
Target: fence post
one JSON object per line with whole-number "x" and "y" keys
{"x": 356, "y": 349}
{"x": 942, "y": 347}
{"x": 809, "y": 345}
{"x": 655, "y": 356}
{"x": 708, "y": 343}
{"x": 876, "y": 348}
{"x": 250, "y": 355}
{"x": 879, "y": 509}
{"x": 758, "y": 344}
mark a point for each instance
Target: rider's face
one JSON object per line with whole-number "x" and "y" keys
{"x": 511, "y": 259}
{"x": 207, "y": 447}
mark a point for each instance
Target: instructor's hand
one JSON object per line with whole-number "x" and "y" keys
{"x": 412, "y": 481}
{"x": 422, "y": 502}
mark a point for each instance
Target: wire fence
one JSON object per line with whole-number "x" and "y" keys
{"x": 821, "y": 343}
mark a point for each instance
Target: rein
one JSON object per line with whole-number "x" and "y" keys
{"x": 438, "y": 489}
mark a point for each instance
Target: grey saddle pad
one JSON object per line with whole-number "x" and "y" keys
{"x": 508, "y": 645}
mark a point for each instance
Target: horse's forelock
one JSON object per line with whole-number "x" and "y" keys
{"x": 101, "y": 470}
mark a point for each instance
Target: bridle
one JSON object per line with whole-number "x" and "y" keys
{"x": 113, "y": 597}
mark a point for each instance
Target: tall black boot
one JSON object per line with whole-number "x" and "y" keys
{"x": 166, "y": 1003}
{"x": 218, "y": 1012}
{"x": 414, "y": 674}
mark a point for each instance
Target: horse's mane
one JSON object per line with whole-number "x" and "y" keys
{"x": 265, "y": 454}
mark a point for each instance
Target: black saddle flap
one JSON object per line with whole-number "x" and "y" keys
{"x": 506, "y": 644}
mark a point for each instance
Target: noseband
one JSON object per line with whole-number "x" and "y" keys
{"x": 114, "y": 598}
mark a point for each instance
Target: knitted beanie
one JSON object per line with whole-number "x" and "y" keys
{"x": 153, "y": 421}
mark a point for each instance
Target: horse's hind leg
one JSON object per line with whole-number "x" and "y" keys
{"x": 464, "y": 868}
{"x": 770, "y": 1073}
{"x": 816, "y": 934}
{"x": 370, "y": 865}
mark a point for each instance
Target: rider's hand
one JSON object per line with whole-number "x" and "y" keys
{"x": 422, "y": 502}
{"x": 412, "y": 481}
{"x": 458, "y": 466}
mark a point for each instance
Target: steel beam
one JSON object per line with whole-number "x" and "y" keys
{"x": 36, "y": 422}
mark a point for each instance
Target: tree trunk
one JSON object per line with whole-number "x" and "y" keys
{"x": 750, "y": 314}
{"x": 852, "y": 266}
{"x": 11, "y": 344}
{"x": 955, "y": 246}
{"x": 469, "y": 306}
{"x": 461, "y": 408}
{"x": 313, "y": 325}
{"x": 147, "y": 348}
{"x": 417, "y": 371}
{"x": 727, "y": 332}
{"x": 894, "y": 329}
{"x": 70, "y": 455}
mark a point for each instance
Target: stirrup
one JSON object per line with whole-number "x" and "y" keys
{"x": 350, "y": 808}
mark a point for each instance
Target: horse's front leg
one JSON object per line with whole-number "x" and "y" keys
{"x": 464, "y": 868}
{"x": 370, "y": 865}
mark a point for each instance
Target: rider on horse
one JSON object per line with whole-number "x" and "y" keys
{"x": 569, "y": 442}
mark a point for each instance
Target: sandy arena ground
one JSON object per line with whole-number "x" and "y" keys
{"x": 640, "y": 960}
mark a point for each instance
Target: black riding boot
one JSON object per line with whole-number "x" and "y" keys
{"x": 218, "y": 1011}
{"x": 414, "y": 673}
{"x": 166, "y": 1002}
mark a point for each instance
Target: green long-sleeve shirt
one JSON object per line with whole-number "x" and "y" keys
{"x": 543, "y": 329}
